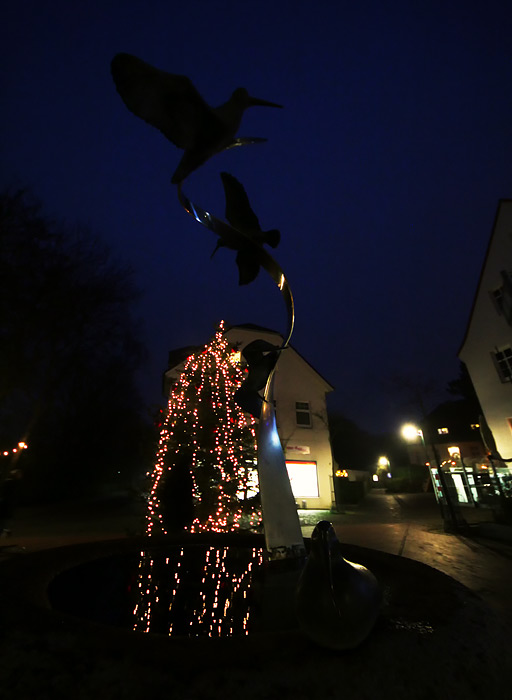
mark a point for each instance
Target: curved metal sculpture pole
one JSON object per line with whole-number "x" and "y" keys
{"x": 283, "y": 535}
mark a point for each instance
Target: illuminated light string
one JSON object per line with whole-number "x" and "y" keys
{"x": 223, "y": 446}
{"x": 13, "y": 450}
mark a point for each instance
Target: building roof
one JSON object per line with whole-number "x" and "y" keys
{"x": 179, "y": 355}
{"x": 256, "y": 328}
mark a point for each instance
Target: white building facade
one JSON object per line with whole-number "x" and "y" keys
{"x": 487, "y": 347}
{"x": 301, "y": 415}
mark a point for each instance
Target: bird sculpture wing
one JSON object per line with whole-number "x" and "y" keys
{"x": 238, "y": 209}
{"x": 166, "y": 101}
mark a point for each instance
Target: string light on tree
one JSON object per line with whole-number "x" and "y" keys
{"x": 207, "y": 439}
{"x": 206, "y": 431}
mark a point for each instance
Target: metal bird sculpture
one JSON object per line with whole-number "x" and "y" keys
{"x": 261, "y": 358}
{"x": 337, "y": 601}
{"x": 244, "y": 220}
{"x": 173, "y": 105}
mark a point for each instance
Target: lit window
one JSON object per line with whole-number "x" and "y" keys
{"x": 443, "y": 431}
{"x": 475, "y": 426}
{"x": 503, "y": 361}
{"x": 236, "y": 357}
{"x": 302, "y": 414}
{"x": 303, "y": 479}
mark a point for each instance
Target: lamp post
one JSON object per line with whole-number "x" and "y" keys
{"x": 452, "y": 522}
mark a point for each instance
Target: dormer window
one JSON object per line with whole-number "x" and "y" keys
{"x": 497, "y": 298}
{"x": 443, "y": 431}
{"x": 502, "y": 296}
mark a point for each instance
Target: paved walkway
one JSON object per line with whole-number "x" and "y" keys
{"x": 410, "y": 526}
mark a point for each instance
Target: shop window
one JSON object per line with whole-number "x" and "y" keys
{"x": 303, "y": 479}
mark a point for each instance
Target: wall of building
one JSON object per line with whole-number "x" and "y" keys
{"x": 296, "y": 380}
{"x": 490, "y": 331}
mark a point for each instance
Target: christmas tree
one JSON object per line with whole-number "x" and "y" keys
{"x": 204, "y": 472}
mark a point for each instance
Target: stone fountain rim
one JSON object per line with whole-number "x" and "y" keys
{"x": 27, "y": 576}
{"x": 242, "y": 662}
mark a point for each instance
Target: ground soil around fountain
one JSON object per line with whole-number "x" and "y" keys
{"x": 433, "y": 639}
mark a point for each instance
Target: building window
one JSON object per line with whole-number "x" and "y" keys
{"x": 506, "y": 300}
{"x": 475, "y": 426}
{"x": 303, "y": 479}
{"x": 503, "y": 361}
{"x": 497, "y": 298}
{"x": 303, "y": 414}
{"x": 502, "y": 296}
{"x": 443, "y": 431}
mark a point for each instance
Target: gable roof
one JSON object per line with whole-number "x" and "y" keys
{"x": 255, "y": 328}
{"x": 179, "y": 355}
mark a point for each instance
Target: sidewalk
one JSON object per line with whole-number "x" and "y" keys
{"x": 482, "y": 562}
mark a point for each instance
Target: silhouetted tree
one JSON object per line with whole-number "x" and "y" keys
{"x": 353, "y": 448}
{"x": 462, "y": 387}
{"x": 69, "y": 350}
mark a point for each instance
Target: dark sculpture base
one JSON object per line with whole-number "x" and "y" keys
{"x": 433, "y": 638}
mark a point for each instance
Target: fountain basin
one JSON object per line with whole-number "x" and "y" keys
{"x": 434, "y": 637}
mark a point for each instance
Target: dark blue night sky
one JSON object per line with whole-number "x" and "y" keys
{"x": 383, "y": 172}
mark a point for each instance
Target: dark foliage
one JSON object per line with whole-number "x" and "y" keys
{"x": 354, "y": 448}
{"x": 69, "y": 350}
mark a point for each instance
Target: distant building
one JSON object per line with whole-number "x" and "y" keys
{"x": 487, "y": 346}
{"x": 301, "y": 415}
{"x": 453, "y": 429}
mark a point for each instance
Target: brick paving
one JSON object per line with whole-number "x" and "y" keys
{"x": 411, "y": 526}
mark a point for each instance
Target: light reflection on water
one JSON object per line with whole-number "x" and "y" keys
{"x": 193, "y": 590}
{"x": 197, "y": 591}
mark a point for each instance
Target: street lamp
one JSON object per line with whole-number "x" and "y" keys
{"x": 383, "y": 467}
{"x": 411, "y": 432}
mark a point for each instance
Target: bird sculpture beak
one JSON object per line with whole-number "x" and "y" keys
{"x": 256, "y": 102}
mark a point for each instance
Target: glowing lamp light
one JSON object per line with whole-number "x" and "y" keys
{"x": 410, "y": 432}
{"x": 375, "y": 477}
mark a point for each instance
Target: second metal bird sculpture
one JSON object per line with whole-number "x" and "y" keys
{"x": 242, "y": 218}
{"x": 173, "y": 105}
